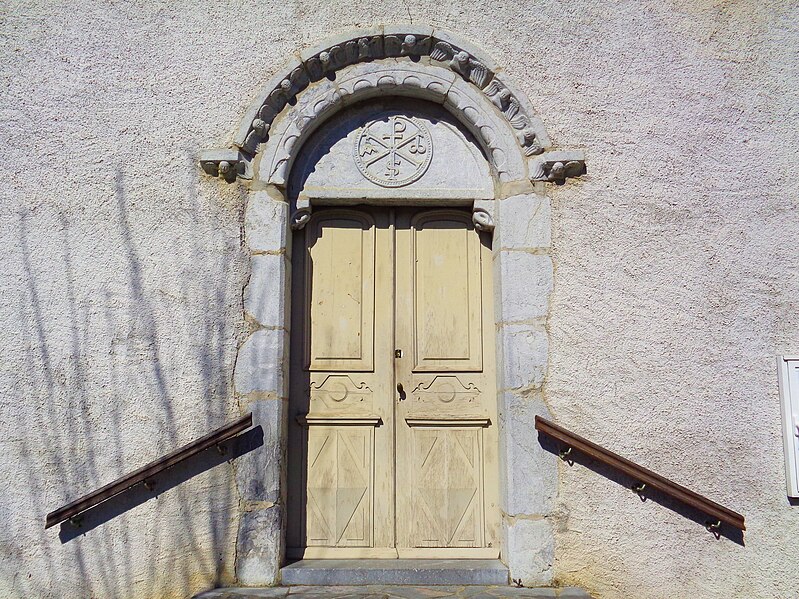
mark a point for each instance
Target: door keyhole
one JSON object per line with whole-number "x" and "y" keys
{"x": 401, "y": 391}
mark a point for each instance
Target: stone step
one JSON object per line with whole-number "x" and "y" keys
{"x": 461, "y": 572}
{"x": 395, "y": 592}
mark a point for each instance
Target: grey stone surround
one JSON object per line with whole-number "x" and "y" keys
{"x": 433, "y": 66}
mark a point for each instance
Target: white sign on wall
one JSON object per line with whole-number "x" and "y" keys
{"x": 789, "y": 395}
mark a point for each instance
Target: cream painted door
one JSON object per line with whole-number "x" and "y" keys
{"x": 446, "y": 410}
{"x": 341, "y": 414}
{"x": 392, "y": 403}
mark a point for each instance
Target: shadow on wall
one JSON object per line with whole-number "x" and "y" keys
{"x": 119, "y": 372}
{"x": 726, "y": 531}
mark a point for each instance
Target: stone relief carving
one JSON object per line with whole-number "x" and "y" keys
{"x": 393, "y": 152}
{"x": 510, "y": 107}
{"x": 225, "y": 164}
{"x": 300, "y": 218}
{"x": 555, "y": 167}
{"x": 462, "y": 63}
{"x": 408, "y": 45}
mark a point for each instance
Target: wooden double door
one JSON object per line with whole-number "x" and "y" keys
{"x": 392, "y": 426}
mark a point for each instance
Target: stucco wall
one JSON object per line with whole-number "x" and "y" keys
{"x": 124, "y": 268}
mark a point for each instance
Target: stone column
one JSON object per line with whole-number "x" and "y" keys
{"x": 528, "y": 475}
{"x": 261, "y": 387}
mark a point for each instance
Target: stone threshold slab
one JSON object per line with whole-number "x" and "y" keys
{"x": 396, "y": 592}
{"x": 330, "y": 572}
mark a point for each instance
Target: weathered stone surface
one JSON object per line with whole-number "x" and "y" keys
{"x": 530, "y": 549}
{"x": 383, "y": 591}
{"x": 258, "y": 558}
{"x": 330, "y": 169}
{"x": 395, "y": 571}
{"x": 572, "y": 593}
{"x": 265, "y": 297}
{"x": 526, "y": 282}
{"x": 523, "y": 356}
{"x": 258, "y": 472}
{"x": 524, "y": 222}
{"x": 265, "y": 223}
{"x": 260, "y": 365}
{"x": 487, "y": 125}
{"x": 528, "y": 474}
{"x": 244, "y": 593}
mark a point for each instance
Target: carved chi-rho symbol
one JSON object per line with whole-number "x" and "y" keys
{"x": 393, "y": 151}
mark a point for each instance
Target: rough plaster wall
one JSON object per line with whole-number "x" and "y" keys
{"x": 675, "y": 286}
{"x": 121, "y": 280}
{"x": 123, "y": 272}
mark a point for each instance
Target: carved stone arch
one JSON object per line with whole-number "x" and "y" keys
{"x": 402, "y": 60}
{"x": 430, "y": 65}
{"x": 361, "y": 82}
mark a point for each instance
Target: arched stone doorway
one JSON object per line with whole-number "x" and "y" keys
{"x": 392, "y": 423}
{"x": 378, "y": 71}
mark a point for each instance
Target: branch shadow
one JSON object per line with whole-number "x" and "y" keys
{"x": 729, "y": 532}
{"x": 120, "y": 352}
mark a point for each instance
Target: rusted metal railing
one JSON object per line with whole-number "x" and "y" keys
{"x": 643, "y": 477}
{"x": 146, "y": 474}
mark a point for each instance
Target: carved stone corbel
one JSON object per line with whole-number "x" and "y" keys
{"x": 226, "y": 164}
{"x": 482, "y": 219}
{"x": 300, "y": 218}
{"x": 556, "y": 167}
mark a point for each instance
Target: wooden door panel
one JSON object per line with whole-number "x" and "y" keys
{"x": 447, "y": 332}
{"x": 446, "y": 487}
{"x": 340, "y": 292}
{"x": 340, "y": 485}
{"x": 385, "y": 472}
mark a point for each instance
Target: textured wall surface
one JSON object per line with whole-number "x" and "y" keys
{"x": 123, "y": 269}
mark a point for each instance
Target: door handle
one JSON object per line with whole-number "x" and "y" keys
{"x": 401, "y": 391}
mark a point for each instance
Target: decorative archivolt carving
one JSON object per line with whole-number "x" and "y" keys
{"x": 406, "y": 45}
{"x": 391, "y": 43}
{"x": 462, "y": 63}
{"x": 511, "y": 109}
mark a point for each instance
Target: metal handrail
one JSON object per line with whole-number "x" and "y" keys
{"x": 643, "y": 476}
{"x": 146, "y": 473}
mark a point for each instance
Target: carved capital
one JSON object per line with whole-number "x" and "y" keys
{"x": 556, "y": 167}
{"x": 226, "y": 164}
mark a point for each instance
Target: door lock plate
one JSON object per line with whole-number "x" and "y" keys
{"x": 397, "y": 353}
